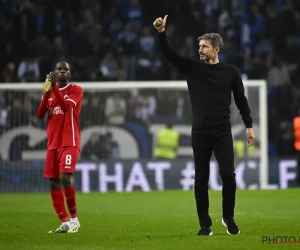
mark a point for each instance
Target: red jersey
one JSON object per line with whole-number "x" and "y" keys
{"x": 63, "y": 127}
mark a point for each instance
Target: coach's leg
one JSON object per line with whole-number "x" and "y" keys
{"x": 202, "y": 154}
{"x": 223, "y": 149}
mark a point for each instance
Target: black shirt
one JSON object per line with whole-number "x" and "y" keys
{"x": 210, "y": 87}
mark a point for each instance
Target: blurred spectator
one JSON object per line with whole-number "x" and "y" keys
{"x": 29, "y": 70}
{"x": 257, "y": 68}
{"x": 149, "y": 67}
{"x": 59, "y": 47}
{"x": 278, "y": 74}
{"x": 3, "y": 117}
{"x": 135, "y": 11}
{"x": 92, "y": 110}
{"x": 167, "y": 143}
{"x": 127, "y": 41}
{"x": 115, "y": 109}
{"x": 17, "y": 115}
{"x": 95, "y": 149}
{"x": 115, "y": 28}
{"x": 111, "y": 146}
{"x": 146, "y": 106}
{"x": 90, "y": 31}
{"x": 23, "y": 30}
{"x": 147, "y": 41}
{"x": 9, "y": 73}
{"x": 56, "y": 26}
{"x": 296, "y": 134}
{"x": 109, "y": 67}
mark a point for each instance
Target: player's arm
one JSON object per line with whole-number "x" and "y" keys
{"x": 64, "y": 104}
{"x": 73, "y": 98}
{"x": 43, "y": 107}
{"x": 183, "y": 64}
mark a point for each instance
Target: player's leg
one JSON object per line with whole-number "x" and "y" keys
{"x": 202, "y": 153}
{"x": 51, "y": 171}
{"x": 223, "y": 149}
{"x": 68, "y": 159}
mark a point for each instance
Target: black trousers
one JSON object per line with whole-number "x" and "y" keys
{"x": 204, "y": 142}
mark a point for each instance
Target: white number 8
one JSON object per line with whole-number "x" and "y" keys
{"x": 68, "y": 159}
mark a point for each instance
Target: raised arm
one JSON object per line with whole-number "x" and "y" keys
{"x": 183, "y": 64}
{"x": 64, "y": 104}
{"x": 73, "y": 97}
{"x": 43, "y": 107}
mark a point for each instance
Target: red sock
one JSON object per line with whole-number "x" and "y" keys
{"x": 58, "y": 204}
{"x": 71, "y": 201}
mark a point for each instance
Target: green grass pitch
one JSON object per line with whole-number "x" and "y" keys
{"x": 155, "y": 220}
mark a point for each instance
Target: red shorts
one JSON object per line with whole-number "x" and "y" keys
{"x": 62, "y": 160}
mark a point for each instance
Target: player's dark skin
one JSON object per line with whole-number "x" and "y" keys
{"x": 60, "y": 77}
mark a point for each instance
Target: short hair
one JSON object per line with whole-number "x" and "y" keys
{"x": 61, "y": 61}
{"x": 215, "y": 39}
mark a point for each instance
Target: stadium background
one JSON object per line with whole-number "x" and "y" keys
{"x": 113, "y": 40}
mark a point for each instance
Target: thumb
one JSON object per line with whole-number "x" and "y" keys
{"x": 165, "y": 18}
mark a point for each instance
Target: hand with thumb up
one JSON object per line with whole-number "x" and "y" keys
{"x": 160, "y": 23}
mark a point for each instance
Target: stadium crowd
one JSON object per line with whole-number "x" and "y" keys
{"x": 113, "y": 40}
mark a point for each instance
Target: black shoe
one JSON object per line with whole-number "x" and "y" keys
{"x": 205, "y": 231}
{"x": 232, "y": 228}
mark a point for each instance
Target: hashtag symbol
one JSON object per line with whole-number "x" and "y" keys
{"x": 188, "y": 174}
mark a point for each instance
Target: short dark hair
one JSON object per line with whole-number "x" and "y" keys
{"x": 215, "y": 39}
{"x": 169, "y": 124}
{"x": 61, "y": 61}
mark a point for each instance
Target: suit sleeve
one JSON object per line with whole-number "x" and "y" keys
{"x": 182, "y": 63}
{"x": 43, "y": 107}
{"x": 241, "y": 100}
